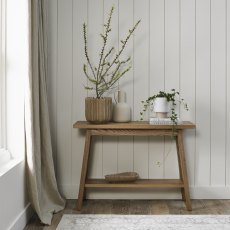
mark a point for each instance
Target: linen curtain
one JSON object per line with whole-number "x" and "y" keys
{"x": 42, "y": 185}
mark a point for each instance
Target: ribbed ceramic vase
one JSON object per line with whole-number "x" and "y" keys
{"x": 98, "y": 110}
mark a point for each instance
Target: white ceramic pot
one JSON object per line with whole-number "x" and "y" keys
{"x": 161, "y": 105}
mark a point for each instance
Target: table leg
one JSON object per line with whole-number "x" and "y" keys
{"x": 84, "y": 169}
{"x": 182, "y": 169}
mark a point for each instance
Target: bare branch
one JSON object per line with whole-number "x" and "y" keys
{"x": 106, "y": 74}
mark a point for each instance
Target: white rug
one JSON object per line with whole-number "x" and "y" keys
{"x": 144, "y": 222}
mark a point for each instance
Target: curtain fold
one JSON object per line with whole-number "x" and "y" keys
{"x": 42, "y": 185}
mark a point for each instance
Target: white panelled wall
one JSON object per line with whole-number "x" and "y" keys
{"x": 181, "y": 44}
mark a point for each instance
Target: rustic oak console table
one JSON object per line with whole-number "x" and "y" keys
{"x": 135, "y": 129}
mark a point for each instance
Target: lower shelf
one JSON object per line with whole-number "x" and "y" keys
{"x": 141, "y": 183}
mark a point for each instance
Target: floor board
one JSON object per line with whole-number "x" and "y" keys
{"x": 136, "y": 207}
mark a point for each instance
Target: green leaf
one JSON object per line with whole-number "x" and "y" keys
{"x": 89, "y": 88}
{"x": 92, "y": 80}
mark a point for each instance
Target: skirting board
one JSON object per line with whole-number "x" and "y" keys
{"x": 22, "y": 219}
{"x": 217, "y": 192}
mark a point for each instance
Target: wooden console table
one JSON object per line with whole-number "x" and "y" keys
{"x": 135, "y": 129}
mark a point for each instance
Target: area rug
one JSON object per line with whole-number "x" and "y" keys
{"x": 144, "y": 222}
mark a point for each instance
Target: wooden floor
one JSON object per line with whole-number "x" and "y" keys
{"x": 135, "y": 207}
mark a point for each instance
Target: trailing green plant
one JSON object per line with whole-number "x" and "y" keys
{"x": 172, "y": 97}
{"x": 104, "y": 76}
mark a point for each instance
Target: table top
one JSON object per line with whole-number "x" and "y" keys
{"x": 132, "y": 125}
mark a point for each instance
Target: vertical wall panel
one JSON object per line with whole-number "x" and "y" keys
{"x": 125, "y": 23}
{"x": 64, "y": 92}
{"x": 156, "y": 81}
{"x": 181, "y": 44}
{"x": 110, "y": 143}
{"x": 172, "y": 39}
{"x": 203, "y": 39}
{"x": 172, "y": 42}
{"x": 125, "y": 144}
{"x": 109, "y": 155}
{"x": 79, "y": 93}
{"x": 141, "y": 81}
{"x": 187, "y": 77}
{"x": 228, "y": 93}
{"x": 95, "y": 27}
{"x": 52, "y": 71}
{"x": 96, "y": 160}
{"x": 125, "y": 154}
{"x": 218, "y": 100}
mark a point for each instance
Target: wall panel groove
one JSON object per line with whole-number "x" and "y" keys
{"x": 110, "y": 144}
{"x": 187, "y": 77}
{"x": 228, "y": 92}
{"x": 125, "y": 145}
{"x": 95, "y": 27}
{"x": 172, "y": 78}
{"x": 156, "y": 80}
{"x": 140, "y": 62}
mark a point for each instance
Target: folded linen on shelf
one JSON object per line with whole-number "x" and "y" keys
{"x": 162, "y": 121}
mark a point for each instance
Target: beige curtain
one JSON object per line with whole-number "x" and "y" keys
{"x": 42, "y": 185}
